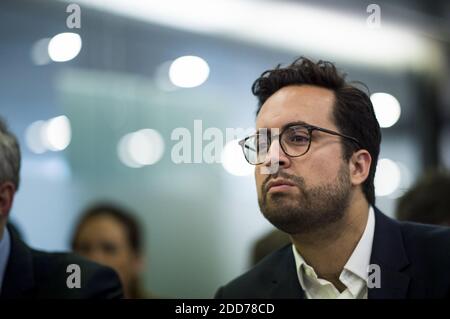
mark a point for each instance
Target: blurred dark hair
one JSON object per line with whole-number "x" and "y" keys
{"x": 428, "y": 201}
{"x": 120, "y": 214}
{"x": 353, "y": 111}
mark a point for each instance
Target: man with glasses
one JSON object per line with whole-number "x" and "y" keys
{"x": 315, "y": 152}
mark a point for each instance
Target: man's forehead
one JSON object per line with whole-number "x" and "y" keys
{"x": 306, "y": 103}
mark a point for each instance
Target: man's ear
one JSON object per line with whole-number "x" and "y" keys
{"x": 7, "y": 191}
{"x": 359, "y": 166}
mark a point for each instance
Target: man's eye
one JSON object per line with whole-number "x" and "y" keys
{"x": 299, "y": 139}
{"x": 109, "y": 248}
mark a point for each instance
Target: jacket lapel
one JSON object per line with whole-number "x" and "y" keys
{"x": 19, "y": 275}
{"x": 388, "y": 252}
{"x": 285, "y": 279}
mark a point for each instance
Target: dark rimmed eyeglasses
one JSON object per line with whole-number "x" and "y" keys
{"x": 295, "y": 140}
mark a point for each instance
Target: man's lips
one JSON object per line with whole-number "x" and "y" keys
{"x": 279, "y": 185}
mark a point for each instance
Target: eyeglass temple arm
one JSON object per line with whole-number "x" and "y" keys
{"x": 336, "y": 133}
{"x": 242, "y": 143}
{"x": 251, "y": 148}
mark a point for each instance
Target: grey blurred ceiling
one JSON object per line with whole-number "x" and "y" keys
{"x": 123, "y": 45}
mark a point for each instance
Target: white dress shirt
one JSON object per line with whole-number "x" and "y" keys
{"x": 354, "y": 275}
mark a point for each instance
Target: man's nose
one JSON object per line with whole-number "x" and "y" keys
{"x": 276, "y": 155}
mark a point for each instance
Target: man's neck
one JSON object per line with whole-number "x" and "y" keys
{"x": 327, "y": 250}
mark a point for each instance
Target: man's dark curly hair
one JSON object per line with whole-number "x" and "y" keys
{"x": 353, "y": 111}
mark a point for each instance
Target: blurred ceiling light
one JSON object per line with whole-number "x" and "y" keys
{"x": 64, "y": 46}
{"x": 387, "y": 177}
{"x": 405, "y": 181}
{"x": 188, "y": 71}
{"x": 234, "y": 161}
{"x": 299, "y": 27}
{"x": 57, "y": 133}
{"x": 39, "y": 52}
{"x": 387, "y": 108}
{"x": 52, "y": 135}
{"x": 33, "y": 137}
{"x": 144, "y": 147}
{"x": 124, "y": 153}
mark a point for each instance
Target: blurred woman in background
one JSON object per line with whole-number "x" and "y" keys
{"x": 109, "y": 235}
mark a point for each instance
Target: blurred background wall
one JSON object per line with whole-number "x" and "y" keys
{"x": 200, "y": 219}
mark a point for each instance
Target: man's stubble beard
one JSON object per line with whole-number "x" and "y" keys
{"x": 311, "y": 208}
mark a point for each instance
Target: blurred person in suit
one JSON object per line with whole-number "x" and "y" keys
{"x": 315, "y": 153}
{"x": 111, "y": 235}
{"x": 428, "y": 201}
{"x": 33, "y": 274}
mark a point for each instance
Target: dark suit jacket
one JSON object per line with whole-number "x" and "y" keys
{"x": 414, "y": 260}
{"x": 36, "y": 274}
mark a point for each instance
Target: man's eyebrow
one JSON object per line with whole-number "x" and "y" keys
{"x": 294, "y": 123}
{"x": 285, "y": 126}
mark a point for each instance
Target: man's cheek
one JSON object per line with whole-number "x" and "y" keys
{"x": 259, "y": 182}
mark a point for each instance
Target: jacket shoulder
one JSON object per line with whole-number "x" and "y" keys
{"x": 430, "y": 240}
{"x": 256, "y": 282}
{"x": 56, "y": 276}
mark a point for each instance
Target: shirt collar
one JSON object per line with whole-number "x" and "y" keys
{"x": 359, "y": 261}
{"x": 301, "y": 265}
{"x": 357, "y": 264}
{"x": 5, "y": 247}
